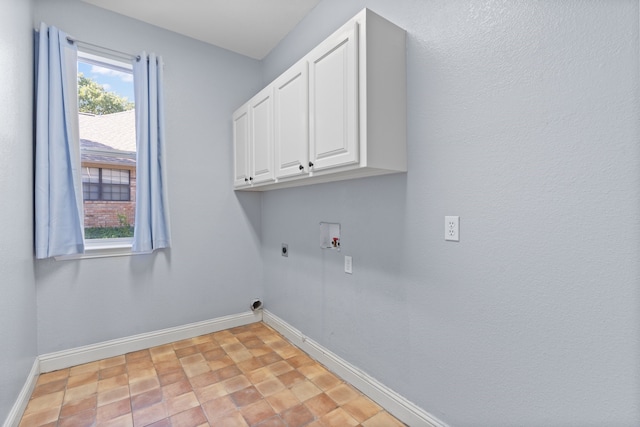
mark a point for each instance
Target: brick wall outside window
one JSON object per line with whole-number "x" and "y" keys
{"x": 99, "y": 213}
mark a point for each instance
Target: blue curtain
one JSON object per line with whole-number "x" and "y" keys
{"x": 58, "y": 191}
{"x": 152, "y": 214}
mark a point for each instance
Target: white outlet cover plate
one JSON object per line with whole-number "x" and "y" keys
{"x": 348, "y": 264}
{"x": 452, "y": 228}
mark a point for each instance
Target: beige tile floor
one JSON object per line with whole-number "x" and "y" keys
{"x": 245, "y": 376}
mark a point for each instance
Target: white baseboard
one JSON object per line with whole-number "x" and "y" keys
{"x": 90, "y": 353}
{"x": 15, "y": 415}
{"x": 391, "y": 401}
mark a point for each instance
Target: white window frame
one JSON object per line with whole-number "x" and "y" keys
{"x": 102, "y": 248}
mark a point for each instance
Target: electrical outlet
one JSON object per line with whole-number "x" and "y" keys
{"x": 452, "y": 228}
{"x": 348, "y": 264}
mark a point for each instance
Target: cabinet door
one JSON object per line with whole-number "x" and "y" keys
{"x": 261, "y": 117}
{"x": 291, "y": 121}
{"x": 333, "y": 100}
{"x": 241, "y": 147}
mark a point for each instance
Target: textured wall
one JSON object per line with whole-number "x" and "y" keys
{"x": 17, "y": 281}
{"x": 214, "y": 268}
{"x": 522, "y": 120}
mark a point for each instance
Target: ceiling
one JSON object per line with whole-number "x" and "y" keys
{"x": 248, "y": 27}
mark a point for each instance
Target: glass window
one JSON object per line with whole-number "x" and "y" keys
{"x": 107, "y": 146}
{"x": 106, "y": 184}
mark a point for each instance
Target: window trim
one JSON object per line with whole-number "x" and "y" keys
{"x": 85, "y": 55}
{"x": 104, "y": 248}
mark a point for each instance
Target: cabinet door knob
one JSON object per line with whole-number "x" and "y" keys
{"x": 246, "y": 179}
{"x": 250, "y": 178}
{"x": 310, "y": 164}
{"x": 301, "y": 167}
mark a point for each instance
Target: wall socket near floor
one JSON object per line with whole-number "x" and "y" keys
{"x": 348, "y": 264}
{"x": 452, "y": 228}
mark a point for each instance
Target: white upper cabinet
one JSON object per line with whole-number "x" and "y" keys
{"x": 261, "y": 130}
{"x": 333, "y": 100}
{"x": 338, "y": 113}
{"x": 253, "y": 141}
{"x": 291, "y": 116}
{"x": 241, "y": 148}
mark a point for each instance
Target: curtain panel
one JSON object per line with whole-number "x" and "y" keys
{"x": 58, "y": 193}
{"x": 152, "y": 213}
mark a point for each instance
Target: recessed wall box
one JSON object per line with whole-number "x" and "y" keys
{"x": 330, "y": 235}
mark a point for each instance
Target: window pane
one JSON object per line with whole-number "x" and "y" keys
{"x": 107, "y": 146}
{"x": 121, "y": 177}
{"x": 124, "y": 177}
{"x": 115, "y": 192}
{"x": 90, "y": 191}
{"x": 90, "y": 175}
{"x": 107, "y": 176}
{"x": 115, "y": 176}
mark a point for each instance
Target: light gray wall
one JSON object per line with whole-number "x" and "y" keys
{"x": 17, "y": 281}
{"x": 214, "y": 267}
{"x": 522, "y": 120}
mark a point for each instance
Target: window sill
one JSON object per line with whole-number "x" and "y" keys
{"x": 104, "y": 248}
